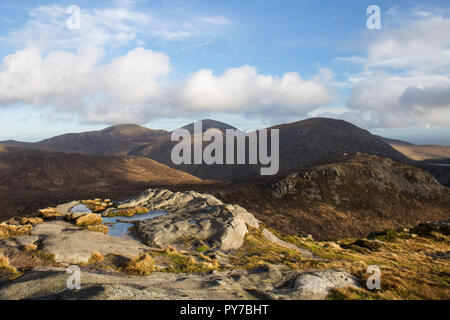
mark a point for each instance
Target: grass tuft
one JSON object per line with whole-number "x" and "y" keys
{"x": 96, "y": 257}
{"x": 7, "y": 272}
{"x": 143, "y": 265}
{"x": 11, "y": 230}
{"x": 129, "y": 212}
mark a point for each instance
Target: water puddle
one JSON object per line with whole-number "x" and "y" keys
{"x": 119, "y": 226}
{"x": 261, "y": 269}
{"x": 80, "y": 208}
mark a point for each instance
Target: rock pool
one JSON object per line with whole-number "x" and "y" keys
{"x": 119, "y": 226}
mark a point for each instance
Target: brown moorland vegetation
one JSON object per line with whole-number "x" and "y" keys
{"x": 32, "y": 179}
{"x": 352, "y": 197}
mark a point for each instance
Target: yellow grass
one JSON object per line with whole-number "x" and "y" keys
{"x": 7, "y": 271}
{"x": 408, "y": 270}
{"x": 98, "y": 228}
{"x": 96, "y": 257}
{"x": 9, "y": 230}
{"x": 142, "y": 265}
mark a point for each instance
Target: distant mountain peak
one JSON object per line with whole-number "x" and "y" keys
{"x": 209, "y": 124}
{"x": 126, "y": 129}
{"x": 317, "y": 122}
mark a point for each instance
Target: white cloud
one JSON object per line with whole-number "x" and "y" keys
{"x": 244, "y": 89}
{"x": 402, "y": 101}
{"x": 70, "y": 71}
{"x": 76, "y": 83}
{"x": 422, "y": 45}
{"x": 134, "y": 87}
{"x": 27, "y": 76}
{"x": 406, "y": 79}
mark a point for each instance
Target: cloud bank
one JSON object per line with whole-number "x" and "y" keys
{"x": 134, "y": 87}
{"x": 105, "y": 73}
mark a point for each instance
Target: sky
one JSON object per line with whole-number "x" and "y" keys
{"x": 74, "y": 66}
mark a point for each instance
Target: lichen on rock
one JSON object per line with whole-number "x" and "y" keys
{"x": 88, "y": 219}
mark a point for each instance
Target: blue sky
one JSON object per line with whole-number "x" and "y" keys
{"x": 250, "y": 63}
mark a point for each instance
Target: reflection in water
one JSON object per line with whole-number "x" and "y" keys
{"x": 80, "y": 208}
{"x": 119, "y": 226}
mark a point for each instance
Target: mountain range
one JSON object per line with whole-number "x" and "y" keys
{"x": 123, "y": 160}
{"x": 302, "y": 143}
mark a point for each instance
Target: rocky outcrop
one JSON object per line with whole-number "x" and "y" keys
{"x": 384, "y": 174}
{"x": 315, "y": 285}
{"x": 289, "y": 184}
{"x": 162, "y": 199}
{"x": 349, "y": 198}
{"x": 428, "y": 228}
{"x": 191, "y": 215}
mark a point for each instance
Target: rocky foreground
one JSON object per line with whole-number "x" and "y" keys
{"x": 203, "y": 248}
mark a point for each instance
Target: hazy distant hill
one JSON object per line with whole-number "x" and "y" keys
{"x": 394, "y": 141}
{"x": 419, "y": 152}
